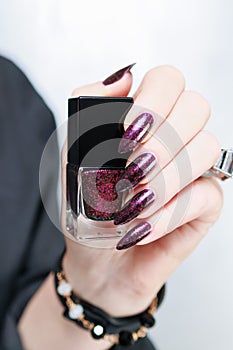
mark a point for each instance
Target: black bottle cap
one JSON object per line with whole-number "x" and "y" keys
{"x": 95, "y": 126}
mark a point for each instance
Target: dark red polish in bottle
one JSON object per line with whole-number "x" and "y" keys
{"x": 101, "y": 199}
{"x": 95, "y": 128}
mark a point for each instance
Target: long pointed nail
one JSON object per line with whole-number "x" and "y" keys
{"x": 117, "y": 75}
{"x": 134, "y": 207}
{"x": 136, "y": 132}
{"x": 136, "y": 171}
{"x": 135, "y": 235}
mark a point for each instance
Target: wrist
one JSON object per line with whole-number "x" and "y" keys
{"x": 101, "y": 325}
{"x": 94, "y": 278}
{"x": 86, "y": 272}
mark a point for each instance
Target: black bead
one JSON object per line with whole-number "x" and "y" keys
{"x": 97, "y": 332}
{"x": 125, "y": 338}
{"x": 147, "y": 320}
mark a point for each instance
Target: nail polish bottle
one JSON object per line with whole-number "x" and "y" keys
{"x": 94, "y": 167}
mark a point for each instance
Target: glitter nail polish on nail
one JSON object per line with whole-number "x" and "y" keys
{"x": 134, "y": 235}
{"x": 136, "y": 132}
{"x": 136, "y": 171}
{"x": 134, "y": 207}
{"x": 117, "y": 75}
{"x": 94, "y": 166}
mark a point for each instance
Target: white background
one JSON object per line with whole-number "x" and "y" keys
{"x": 66, "y": 43}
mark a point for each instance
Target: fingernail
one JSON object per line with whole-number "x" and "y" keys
{"x": 135, "y": 235}
{"x": 136, "y": 171}
{"x": 117, "y": 75}
{"x": 134, "y": 207}
{"x": 136, "y": 132}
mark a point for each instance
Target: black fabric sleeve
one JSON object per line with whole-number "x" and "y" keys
{"x": 29, "y": 243}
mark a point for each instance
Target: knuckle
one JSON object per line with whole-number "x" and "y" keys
{"x": 200, "y": 102}
{"x": 213, "y": 145}
{"x": 201, "y": 193}
{"x": 210, "y": 198}
{"x": 167, "y": 71}
{"x": 172, "y": 71}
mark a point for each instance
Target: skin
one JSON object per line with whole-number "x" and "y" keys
{"x": 124, "y": 282}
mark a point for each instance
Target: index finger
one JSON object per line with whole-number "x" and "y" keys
{"x": 153, "y": 101}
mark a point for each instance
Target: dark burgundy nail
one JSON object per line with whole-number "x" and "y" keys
{"x": 135, "y": 235}
{"x": 136, "y": 171}
{"x": 117, "y": 75}
{"x": 134, "y": 207}
{"x": 136, "y": 132}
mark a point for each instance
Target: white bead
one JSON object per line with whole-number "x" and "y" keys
{"x": 98, "y": 330}
{"x": 64, "y": 289}
{"x": 76, "y": 311}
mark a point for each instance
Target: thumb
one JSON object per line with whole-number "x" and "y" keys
{"x": 118, "y": 84}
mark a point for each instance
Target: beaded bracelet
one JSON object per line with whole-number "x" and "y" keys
{"x": 97, "y": 321}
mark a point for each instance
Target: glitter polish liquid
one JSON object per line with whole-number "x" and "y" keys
{"x": 95, "y": 129}
{"x": 100, "y": 198}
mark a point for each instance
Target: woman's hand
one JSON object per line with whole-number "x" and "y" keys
{"x": 185, "y": 205}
